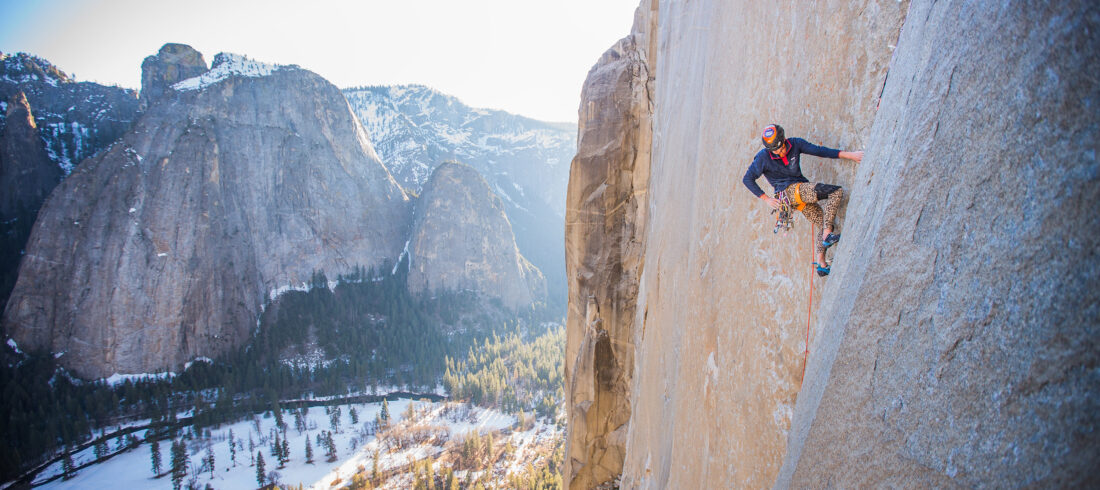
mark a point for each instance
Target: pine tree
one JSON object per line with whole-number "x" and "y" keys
{"x": 309, "y": 452}
{"x": 354, "y": 415}
{"x": 68, "y": 469}
{"x": 334, "y": 420}
{"x": 451, "y": 480}
{"x": 385, "y": 413}
{"x": 232, "y": 448}
{"x": 155, "y": 456}
{"x": 330, "y": 447}
{"x": 260, "y": 468}
{"x": 375, "y": 474}
{"x": 299, "y": 422}
{"x": 101, "y": 448}
{"x": 210, "y": 460}
{"x": 286, "y": 451}
{"x": 179, "y": 464}
{"x": 277, "y": 411}
{"x": 429, "y": 472}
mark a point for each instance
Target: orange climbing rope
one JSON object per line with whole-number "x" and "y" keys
{"x": 809, "y": 309}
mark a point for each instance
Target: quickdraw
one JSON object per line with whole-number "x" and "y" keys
{"x": 786, "y": 210}
{"x": 785, "y": 219}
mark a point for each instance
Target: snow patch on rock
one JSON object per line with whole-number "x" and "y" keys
{"x": 228, "y": 65}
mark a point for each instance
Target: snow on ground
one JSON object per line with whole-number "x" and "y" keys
{"x": 117, "y": 379}
{"x": 304, "y": 287}
{"x": 526, "y": 443}
{"x": 430, "y": 418}
{"x": 132, "y": 469}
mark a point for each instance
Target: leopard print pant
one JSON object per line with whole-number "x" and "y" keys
{"x": 822, "y": 203}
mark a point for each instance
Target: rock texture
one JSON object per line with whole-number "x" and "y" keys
{"x": 164, "y": 246}
{"x": 605, "y": 223}
{"x": 72, "y": 121}
{"x": 461, "y": 239}
{"x": 954, "y": 343}
{"x": 980, "y": 367}
{"x": 526, "y": 162}
{"x": 26, "y": 173}
{"x": 172, "y": 64}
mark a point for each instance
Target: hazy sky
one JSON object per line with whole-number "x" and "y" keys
{"x": 526, "y": 57}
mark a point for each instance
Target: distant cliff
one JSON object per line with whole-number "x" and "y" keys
{"x": 239, "y": 180}
{"x": 461, "y": 240}
{"x": 27, "y": 175}
{"x": 234, "y": 183}
{"x": 49, "y": 123}
{"x": 954, "y": 342}
{"x": 526, "y": 162}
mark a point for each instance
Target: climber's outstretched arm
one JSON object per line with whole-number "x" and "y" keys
{"x": 852, "y": 155}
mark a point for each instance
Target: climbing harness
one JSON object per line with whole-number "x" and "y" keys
{"x": 797, "y": 203}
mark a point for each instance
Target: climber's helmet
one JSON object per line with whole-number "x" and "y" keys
{"x": 773, "y": 137}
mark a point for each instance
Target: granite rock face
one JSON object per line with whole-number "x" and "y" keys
{"x": 72, "y": 121}
{"x": 958, "y": 344}
{"x": 526, "y": 162}
{"x": 605, "y": 222}
{"x": 954, "y": 343}
{"x": 172, "y": 64}
{"x": 416, "y": 128}
{"x": 27, "y": 174}
{"x": 461, "y": 239}
{"x": 164, "y": 247}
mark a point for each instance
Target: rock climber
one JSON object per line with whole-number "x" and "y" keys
{"x": 779, "y": 163}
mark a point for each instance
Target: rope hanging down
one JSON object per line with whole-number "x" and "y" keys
{"x": 809, "y": 309}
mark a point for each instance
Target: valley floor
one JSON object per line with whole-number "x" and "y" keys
{"x": 419, "y": 431}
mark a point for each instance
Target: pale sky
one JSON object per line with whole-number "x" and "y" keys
{"x": 525, "y": 57}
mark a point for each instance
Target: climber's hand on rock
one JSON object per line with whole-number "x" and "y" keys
{"x": 773, "y": 202}
{"x": 852, "y": 155}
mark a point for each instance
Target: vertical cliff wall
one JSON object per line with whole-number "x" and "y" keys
{"x": 26, "y": 173}
{"x": 462, "y": 240}
{"x": 604, "y": 223}
{"x": 954, "y": 342}
{"x": 164, "y": 246}
{"x": 958, "y": 343}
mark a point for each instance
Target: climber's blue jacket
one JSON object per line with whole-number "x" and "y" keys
{"x": 782, "y": 172}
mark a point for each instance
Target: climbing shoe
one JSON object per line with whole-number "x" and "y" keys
{"x": 830, "y": 241}
{"x": 822, "y": 269}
